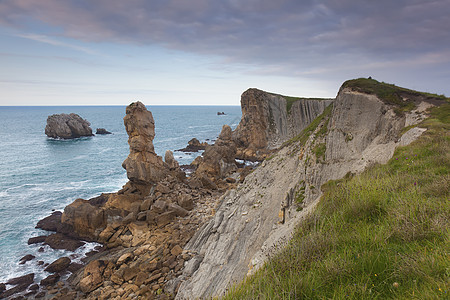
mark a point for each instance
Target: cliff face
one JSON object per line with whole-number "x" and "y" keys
{"x": 267, "y": 121}
{"x": 260, "y": 214}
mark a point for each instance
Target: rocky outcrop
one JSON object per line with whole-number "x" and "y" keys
{"x": 268, "y": 120}
{"x": 102, "y": 131}
{"x": 143, "y": 166}
{"x": 260, "y": 215}
{"x": 194, "y": 145}
{"x": 218, "y": 160}
{"x": 67, "y": 126}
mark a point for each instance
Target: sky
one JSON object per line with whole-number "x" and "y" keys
{"x": 199, "y": 52}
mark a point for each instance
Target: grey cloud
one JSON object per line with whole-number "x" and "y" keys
{"x": 287, "y": 37}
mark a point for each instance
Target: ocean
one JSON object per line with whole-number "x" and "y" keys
{"x": 39, "y": 174}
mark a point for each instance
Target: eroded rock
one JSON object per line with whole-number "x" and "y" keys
{"x": 67, "y": 126}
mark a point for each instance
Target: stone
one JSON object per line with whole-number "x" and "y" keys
{"x": 142, "y": 164}
{"x": 73, "y": 267}
{"x": 170, "y": 160}
{"x": 179, "y": 211}
{"x": 37, "y": 239}
{"x": 124, "y": 258}
{"x": 50, "y": 223}
{"x": 176, "y": 250}
{"x": 186, "y": 202}
{"x": 129, "y": 273}
{"x": 165, "y": 218}
{"x": 102, "y": 131}
{"x": 21, "y": 280}
{"x": 145, "y": 205}
{"x": 67, "y": 126}
{"x": 84, "y": 217}
{"x": 159, "y": 206}
{"x": 219, "y": 159}
{"x": 194, "y": 145}
{"x": 61, "y": 241}
{"x": 58, "y": 265}
{"x": 34, "y": 287}
{"x": 26, "y": 258}
{"x": 163, "y": 189}
{"x": 50, "y": 280}
{"x": 92, "y": 276}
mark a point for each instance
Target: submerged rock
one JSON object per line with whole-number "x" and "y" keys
{"x": 67, "y": 126}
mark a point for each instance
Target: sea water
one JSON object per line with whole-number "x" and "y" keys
{"x": 39, "y": 174}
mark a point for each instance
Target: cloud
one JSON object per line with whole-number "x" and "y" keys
{"x": 286, "y": 37}
{"x": 54, "y": 42}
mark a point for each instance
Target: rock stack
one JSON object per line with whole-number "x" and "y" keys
{"x": 67, "y": 126}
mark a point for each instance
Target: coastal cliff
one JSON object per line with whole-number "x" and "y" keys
{"x": 166, "y": 235}
{"x": 258, "y": 217}
{"x": 268, "y": 120}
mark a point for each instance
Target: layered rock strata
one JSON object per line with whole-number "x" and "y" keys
{"x": 259, "y": 216}
{"x": 268, "y": 120}
{"x": 67, "y": 126}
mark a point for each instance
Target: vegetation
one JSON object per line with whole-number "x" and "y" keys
{"x": 381, "y": 235}
{"x": 304, "y": 135}
{"x": 319, "y": 151}
{"x": 389, "y": 93}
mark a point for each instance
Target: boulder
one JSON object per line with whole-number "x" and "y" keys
{"x": 84, "y": 218}
{"x": 142, "y": 164}
{"x": 92, "y": 276}
{"x": 50, "y": 280}
{"x": 58, "y": 265}
{"x": 50, "y": 223}
{"x": 67, "y": 126}
{"x": 170, "y": 160}
{"x": 26, "y": 258}
{"x": 102, "y": 131}
{"x": 194, "y": 145}
{"x": 218, "y": 160}
{"x": 61, "y": 241}
{"x": 25, "y": 279}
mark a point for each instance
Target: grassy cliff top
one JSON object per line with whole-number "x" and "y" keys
{"x": 392, "y": 94}
{"x": 381, "y": 235}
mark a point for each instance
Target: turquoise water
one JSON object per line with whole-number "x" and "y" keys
{"x": 38, "y": 174}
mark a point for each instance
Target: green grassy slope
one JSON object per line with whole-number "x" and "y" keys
{"x": 381, "y": 235}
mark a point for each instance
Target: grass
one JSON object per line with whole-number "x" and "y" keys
{"x": 383, "y": 234}
{"x": 391, "y": 94}
{"x": 319, "y": 151}
{"x": 304, "y": 135}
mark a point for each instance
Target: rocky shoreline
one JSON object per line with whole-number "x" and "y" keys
{"x": 167, "y": 235}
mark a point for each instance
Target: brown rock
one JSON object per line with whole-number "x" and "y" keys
{"x": 163, "y": 189}
{"x": 145, "y": 205}
{"x": 73, "y": 267}
{"x": 186, "y": 202}
{"x": 37, "y": 239}
{"x": 50, "y": 280}
{"x": 179, "y": 211}
{"x": 159, "y": 206}
{"x": 61, "y": 241}
{"x": 58, "y": 265}
{"x": 170, "y": 160}
{"x": 124, "y": 258}
{"x": 84, "y": 218}
{"x": 50, "y": 223}
{"x": 25, "y": 279}
{"x": 165, "y": 218}
{"x": 92, "y": 276}
{"x": 142, "y": 164}
{"x": 26, "y": 258}
{"x": 176, "y": 250}
{"x": 129, "y": 273}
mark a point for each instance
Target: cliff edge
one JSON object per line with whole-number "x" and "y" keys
{"x": 259, "y": 216}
